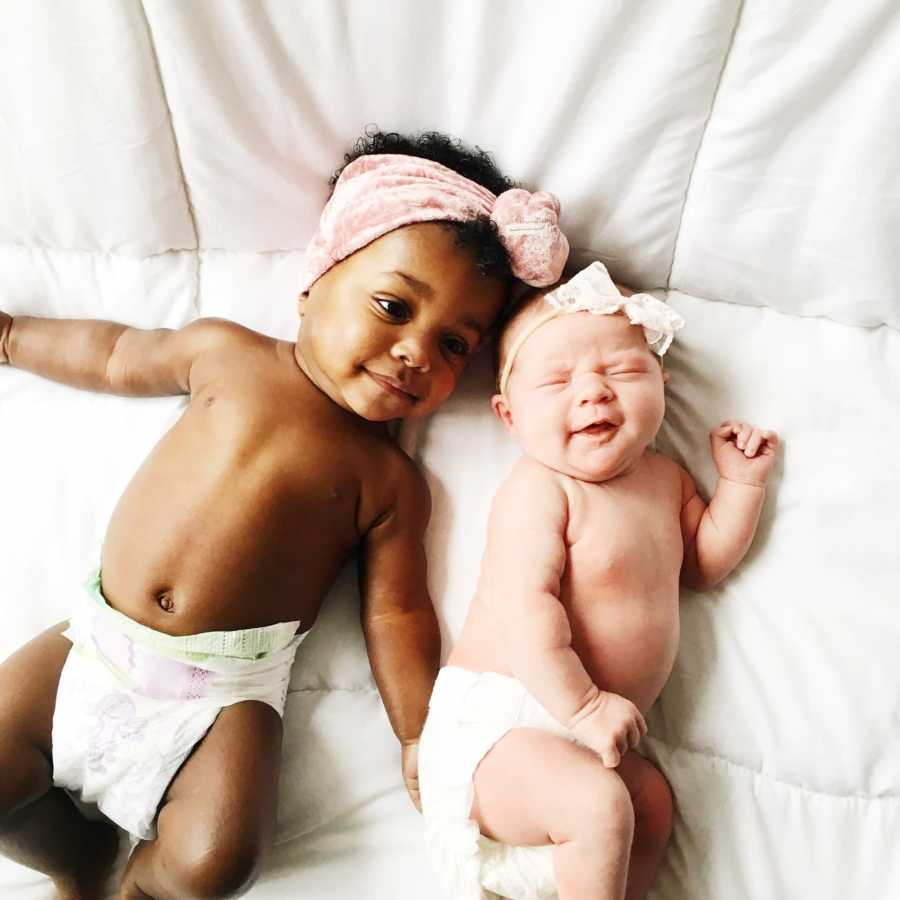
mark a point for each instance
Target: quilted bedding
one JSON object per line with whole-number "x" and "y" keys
{"x": 164, "y": 160}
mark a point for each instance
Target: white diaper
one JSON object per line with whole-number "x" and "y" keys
{"x": 468, "y": 713}
{"x": 133, "y": 702}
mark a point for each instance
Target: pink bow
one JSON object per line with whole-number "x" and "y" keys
{"x": 378, "y": 193}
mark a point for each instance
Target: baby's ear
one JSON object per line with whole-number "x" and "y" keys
{"x": 501, "y": 409}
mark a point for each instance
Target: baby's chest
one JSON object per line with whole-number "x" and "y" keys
{"x": 310, "y": 469}
{"x": 619, "y": 534}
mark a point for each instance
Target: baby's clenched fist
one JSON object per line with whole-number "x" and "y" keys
{"x": 742, "y": 452}
{"x": 611, "y": 728}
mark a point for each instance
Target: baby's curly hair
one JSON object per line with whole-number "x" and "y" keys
{"x": 479, "y": 236}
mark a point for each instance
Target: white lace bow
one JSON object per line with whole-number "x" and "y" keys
{"x": 592, "y": 290}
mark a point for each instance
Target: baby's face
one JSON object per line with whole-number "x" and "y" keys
{"x": 585, "y": 396}
{"x": 387, "y": 332}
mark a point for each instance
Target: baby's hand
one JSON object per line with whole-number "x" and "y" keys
{"x": 743, "y": 453}
{"x": 410, "y": 765}
{"x": 5, "y": 321}
{"x": 611, "y": 728}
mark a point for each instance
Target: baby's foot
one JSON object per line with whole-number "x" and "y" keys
{"x": 89, "y": 882}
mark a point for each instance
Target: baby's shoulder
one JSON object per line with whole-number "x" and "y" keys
{"x": 214, "y": 333}
{"x": 391, "y": 480}
{"x": 402, "y": 470}
{"x": 661, "y": 465}
{"x": 669, "y": 473}
{"x": 531, "y": 486}
{"x": 218, "y": 346}
{"x": 528, "y": 471}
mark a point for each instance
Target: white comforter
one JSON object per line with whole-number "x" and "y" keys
{"x": 165, "y": 160}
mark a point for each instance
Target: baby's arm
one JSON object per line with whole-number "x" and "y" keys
{"x": 717, "y": 536}
{"x": 5, "y": 324}
{"x": 398, "y": 619}
{"x": 107, "y": 356}
{"x": 526, "y": 560}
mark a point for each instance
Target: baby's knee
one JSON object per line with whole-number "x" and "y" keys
{"x": 213, "y": 868}
{"x": 604, "y": 807}
{"x": 653, "y": 808}
{"x": 26, "y": 776}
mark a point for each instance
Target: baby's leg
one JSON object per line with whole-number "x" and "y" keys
{"x": 39, "y": 826}
{"x": 535, "y": 787}
{"x": 217, "y": 820}
{"x": 652, "y": 801}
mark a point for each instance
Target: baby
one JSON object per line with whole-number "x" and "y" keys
{"x": 160, "y": 700}
{"x": 528, "y": 784}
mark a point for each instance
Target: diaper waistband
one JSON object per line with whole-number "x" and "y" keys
{"x": 242, "y": 644}
{"x": 456, "y": 686}
{"x": 466, "y": 697}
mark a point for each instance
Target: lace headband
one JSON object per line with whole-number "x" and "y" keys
{"x": 593, "y": 291}
{"x": 378, "y": 193}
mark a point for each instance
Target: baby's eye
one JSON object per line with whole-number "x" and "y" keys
{"x": 627, "y": 370}
{"x": 456, "y": 345}
{"x": 553, "y": 381}
{"x": 393, "y": 308}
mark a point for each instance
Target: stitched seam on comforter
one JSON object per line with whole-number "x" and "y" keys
{"x": 749, "y": 771}
{"x": 712, "y": 106}
{"x": 784, "y": 312}
{"x": 187, "y": 191}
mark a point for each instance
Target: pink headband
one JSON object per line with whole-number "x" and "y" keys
{"x": 378, "y": 193}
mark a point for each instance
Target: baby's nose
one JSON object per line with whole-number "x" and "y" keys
{"x": 594, "y": 388}
{"x": 412, "y": 353}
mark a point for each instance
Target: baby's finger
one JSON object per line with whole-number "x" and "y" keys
{"x": 752, "y": 447}
{"x": 611, "y": 758}
{"x": 743, "y": 435}
{"x": 726, "y": 429}
{"x": 634, "y": 734}
{"x": 719, "y": 437}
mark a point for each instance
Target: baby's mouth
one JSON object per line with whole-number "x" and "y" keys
{"x": 603, "y": 428}
{"x": 394, "y": 386}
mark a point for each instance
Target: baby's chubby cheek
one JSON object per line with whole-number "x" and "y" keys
{"x": 540, "y": 433}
